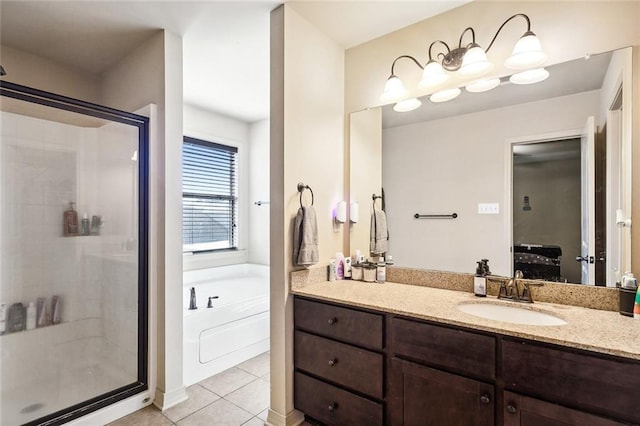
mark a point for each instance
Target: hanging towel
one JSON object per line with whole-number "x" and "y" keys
{"x": 305, "y": 237}
{"x": 379, "y": 232}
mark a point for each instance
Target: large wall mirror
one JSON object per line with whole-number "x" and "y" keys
{"x": 535, "y": 175}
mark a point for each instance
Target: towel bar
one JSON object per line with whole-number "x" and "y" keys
{"x": 436, "y": 216}
{"x": 259, "y": 203}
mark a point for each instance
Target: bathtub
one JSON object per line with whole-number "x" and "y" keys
{"x": 235, "y": 329}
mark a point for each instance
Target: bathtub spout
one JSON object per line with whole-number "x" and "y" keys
{"x": 192, "y": 302}
{"x": 209, "y": 304}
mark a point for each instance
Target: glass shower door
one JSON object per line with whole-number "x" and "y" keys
{"x": 73, "y": 285}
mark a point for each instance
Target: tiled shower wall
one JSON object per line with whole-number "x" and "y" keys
{"x": 44, "y": 166}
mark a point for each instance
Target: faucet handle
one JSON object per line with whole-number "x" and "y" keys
{"x": 526, "y": 292}
{"x": 518, "y": 275}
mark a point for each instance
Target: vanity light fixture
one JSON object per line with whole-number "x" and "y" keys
{"x": 468, "y": 61}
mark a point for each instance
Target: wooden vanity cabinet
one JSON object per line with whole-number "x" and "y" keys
{"x": 357, "y": 367}
{"x": 339, "y": 364}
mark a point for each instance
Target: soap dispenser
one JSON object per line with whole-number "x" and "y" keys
{"x": 480, "y": 280}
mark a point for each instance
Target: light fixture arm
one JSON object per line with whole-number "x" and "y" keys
{"x": 441, "y": 42}
{"x": 505, "y": 23}
{"x": 404, "y": 56}
{"x": 473, "y": 37}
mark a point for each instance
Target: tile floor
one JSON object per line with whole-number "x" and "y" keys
{"x": 237, "y": 396}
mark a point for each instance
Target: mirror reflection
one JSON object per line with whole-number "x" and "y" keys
{"x": 563, "y": 143}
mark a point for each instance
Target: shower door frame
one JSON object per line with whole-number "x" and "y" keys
{"x": 29, "y": 94}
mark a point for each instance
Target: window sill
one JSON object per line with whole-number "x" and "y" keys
{"x": 192, "y": 262}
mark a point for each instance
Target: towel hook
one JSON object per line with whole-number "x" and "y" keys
{"x": 301, "y": 188}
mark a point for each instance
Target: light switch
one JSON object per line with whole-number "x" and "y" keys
{"x": 488, "y": 208}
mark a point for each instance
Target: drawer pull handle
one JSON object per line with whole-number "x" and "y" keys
{"x": 333, "y": 406}
{"x": 511, "y": 408}
{"x": 485, "y": 398}
{"x": 332, "y": 321}
{"x": 333, "y": 362}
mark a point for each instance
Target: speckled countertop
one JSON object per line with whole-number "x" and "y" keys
{"x": 590, "y": 329}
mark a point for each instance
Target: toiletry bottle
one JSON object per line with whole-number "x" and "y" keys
{"x": 480, "y": 281}
{"x": 31, "y": 316}
{"x": 389, "y": 259}
{"x": 41, "y": 312}
{"x": 85, "y": 225}
{"x": 3, "y": 318}
{"x": 96, "y": 222}
{"x": 347, "y": 268}
{"x": 381, "y": 270}
{"x": 636, "y": 305}
{"x": 70, "y": 221}
{"x": 339, "y": 266}
{"x": 56, "y": 310}
{"x": 331, "y": 270}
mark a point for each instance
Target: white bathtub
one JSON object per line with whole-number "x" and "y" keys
{"x": 235, "y": 329}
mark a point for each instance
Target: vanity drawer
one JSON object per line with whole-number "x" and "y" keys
{"x": 332, "y": 405}
{"x": 605, "y": 386}
{"x": 348, "y": 325}
{"x": 346, "y": 365}
{"x": 463, "y": 352}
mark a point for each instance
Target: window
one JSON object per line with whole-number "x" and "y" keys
{"x": 209, "y": 197}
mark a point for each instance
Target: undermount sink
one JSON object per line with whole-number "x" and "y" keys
{"x": 509, "y": 313}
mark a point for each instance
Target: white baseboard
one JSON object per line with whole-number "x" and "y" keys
{"x": 165, "y": 400}
{"x": 293, "y": 418}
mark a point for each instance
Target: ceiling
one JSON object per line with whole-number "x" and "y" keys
{"x": 225, "y": 44}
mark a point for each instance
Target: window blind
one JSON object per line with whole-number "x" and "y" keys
{"x": 209, "y": 196}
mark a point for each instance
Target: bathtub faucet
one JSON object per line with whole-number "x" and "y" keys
{"x": 209, "y": 304}
{"x": 192, "y": 300}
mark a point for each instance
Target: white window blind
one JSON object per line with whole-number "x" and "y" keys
{"x": 209, "y": 196}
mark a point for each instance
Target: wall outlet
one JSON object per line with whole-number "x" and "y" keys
{"x": 488, "y": 208}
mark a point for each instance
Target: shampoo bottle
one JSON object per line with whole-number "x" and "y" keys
{"x": 339, "y": 266}
{"x": 480, "y": 281}
{"x": 70, "y": 221}
{"x": 331, "y": 270}
{"x": 85, "y": 225}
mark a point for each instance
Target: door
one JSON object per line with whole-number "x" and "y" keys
{"x": 588, "y": 224}
{"x": 423, "y": 396}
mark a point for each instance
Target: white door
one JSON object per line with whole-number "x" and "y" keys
{"x": 587, "y": 257}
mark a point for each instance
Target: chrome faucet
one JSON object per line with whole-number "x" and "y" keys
{"x": 511, "y": 291}
{"x": 192, "y": 299}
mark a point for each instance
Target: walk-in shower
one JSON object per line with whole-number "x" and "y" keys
{"x": 73, "y": 256}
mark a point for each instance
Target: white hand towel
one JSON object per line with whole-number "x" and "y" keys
{"x": 305, "y": 237}
{"x": 379, "y": 233}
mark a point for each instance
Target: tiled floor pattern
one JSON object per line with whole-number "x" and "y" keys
{"x": 237, "y": 396}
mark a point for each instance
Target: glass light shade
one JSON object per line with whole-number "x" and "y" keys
{"x": 432, "y": 76}
{"x": 527, "y": 53}
{"x": 407, "y": 105}
{"x": 475, "y": 63}
{"x": 445, "y": 95}
{"x": 530, "y": 76}
{"x": 483, "y": 85}
{"x": 393, "y": 90}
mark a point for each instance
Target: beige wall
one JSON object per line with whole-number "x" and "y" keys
{"x": 307, "y": 145}
{"x": 566, "y": 30}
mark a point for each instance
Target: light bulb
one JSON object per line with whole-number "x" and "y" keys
{"x": 407, "y": 105}
{"x": 475, "y": 62}
{"x": 530, "y": 76}
{"x": 393, "y": 90}
{"x": 432, "y": 76}
{"x": 445, "y": 95}
{"x": 527, "y": 53}
{"x": 483, "y": 85}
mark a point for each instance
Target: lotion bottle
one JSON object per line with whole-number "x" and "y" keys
{"x": 381, "y": 270}
{"x": 480, "y": 281}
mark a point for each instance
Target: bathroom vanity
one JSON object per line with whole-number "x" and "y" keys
{"x": 371, "y": 354}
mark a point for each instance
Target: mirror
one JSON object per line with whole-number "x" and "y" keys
{"x": 462, "y": 156}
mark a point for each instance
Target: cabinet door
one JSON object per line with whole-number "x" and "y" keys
{"x": 428, "y": 397}
{"x": 524, "y": 411}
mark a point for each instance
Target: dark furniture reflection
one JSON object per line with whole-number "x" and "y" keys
{"x": 539, "y": 262}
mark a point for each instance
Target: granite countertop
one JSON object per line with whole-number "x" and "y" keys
{"x": 590, "y": 329}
